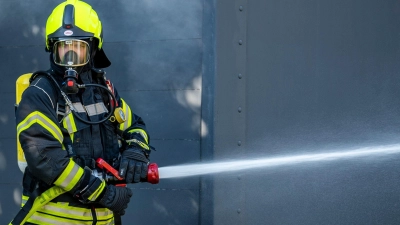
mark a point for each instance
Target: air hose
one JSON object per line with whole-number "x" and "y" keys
{"x": 69, "y": 103}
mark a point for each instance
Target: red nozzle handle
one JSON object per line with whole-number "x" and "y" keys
{"x": 104, "y": 165}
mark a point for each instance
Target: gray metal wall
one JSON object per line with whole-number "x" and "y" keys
{"x": 156, "y": 52}
{"x": 308, "y": 77}
{"x": 223, "y": 79}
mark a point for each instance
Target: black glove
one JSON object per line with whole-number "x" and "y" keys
{"x": 133, "y": 165}
{"x": 89, "y": 187}
{"x": 116, "y": 199}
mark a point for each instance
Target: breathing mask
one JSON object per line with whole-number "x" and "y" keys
{"x": 71, "y": 53}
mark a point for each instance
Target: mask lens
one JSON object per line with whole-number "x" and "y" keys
{"x": 71, "y": 52}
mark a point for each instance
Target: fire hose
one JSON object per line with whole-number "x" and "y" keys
{"x": 152, "y": 173}
{"x": 40, "y": 200}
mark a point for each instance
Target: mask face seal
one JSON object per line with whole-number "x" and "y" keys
{"x": 71, "y": 52}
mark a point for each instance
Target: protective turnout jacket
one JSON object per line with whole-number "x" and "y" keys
{"x": 44, "y": 124}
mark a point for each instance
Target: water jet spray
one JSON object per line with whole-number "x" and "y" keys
{"x": 236, "y": 165}
{"x": 156, "y": 173}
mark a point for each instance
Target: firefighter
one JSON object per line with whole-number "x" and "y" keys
{"x": 64, "y": 124}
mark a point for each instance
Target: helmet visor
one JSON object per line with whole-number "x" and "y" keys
{"x": 71, "y": 52}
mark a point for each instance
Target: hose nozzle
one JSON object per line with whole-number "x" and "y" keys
{"x": 152, "y": 174}
{"x": 152, "y": 171}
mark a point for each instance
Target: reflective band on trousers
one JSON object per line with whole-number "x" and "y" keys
{"x": 127, "y": 111}
{"x": 42, "y": 120}
{"x": 70, "y": 176}
{"x": 41, "y": 200}
{"x": 62, "y": 213}
{"x": 41, "y": 218}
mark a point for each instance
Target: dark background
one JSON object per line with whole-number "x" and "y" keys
{"x": 237, "y": 79}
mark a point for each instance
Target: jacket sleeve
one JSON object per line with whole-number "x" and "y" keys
{"x": 40, "y": 136}
{"x": 133, "y": 123}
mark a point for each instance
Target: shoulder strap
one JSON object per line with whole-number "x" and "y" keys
{"x": 43, "y": 73}
{"x": 60, "y": 100}
{"x": 67, "y": 142}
